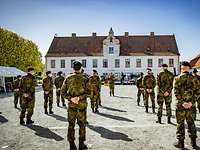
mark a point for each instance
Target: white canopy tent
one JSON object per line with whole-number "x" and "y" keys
{"x": 9, "y": 72}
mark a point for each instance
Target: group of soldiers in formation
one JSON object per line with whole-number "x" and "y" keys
{"x": 78, "y": 86}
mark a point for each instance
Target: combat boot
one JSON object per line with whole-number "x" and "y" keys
{"x": 64, "y": 105}
{"x": 82, "y": 146}
{"x": 22, "y": 121}
{"x": 169, "y": 120}
{"x": 146, "y": 107}
{"x": 93, "y": 110}
{"x": 193, "y": 143}
{"x": 138, "y": 103}
{"x": 199, "y": 109}
{"x": 50, "y": 111}
{"x": 45, "y": 111}
{"x": 58, "y": 105}
{"x": 159, "y": 120}
{"x": 29, "y": 121}
{"x": 72, "y": 146}
{"x": 96, "y": 111}
{"x": 179, "y": 144}
{"x": 153, "y": 110}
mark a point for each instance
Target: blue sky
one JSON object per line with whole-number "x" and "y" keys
{"x": 39, "y": 20}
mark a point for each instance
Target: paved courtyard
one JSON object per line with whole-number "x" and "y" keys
{"x": 119, "y": 125}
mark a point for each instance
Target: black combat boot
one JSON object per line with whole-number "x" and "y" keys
{"x": 159, "y": 120}
{"x": 22, "y": 121}
{"x": 58, "y": 105}
{"x": 50, "y": 111}
{"x": 82, "y": 146}
{"x": 72, "y": 146}
{"x": 64, "y": 105}
{"x": 93, "y": 110}
{"x": 179, "y": 144}
{"x": 153, "y": 108}
{"x": 45, "y": 111}
{"x": 193, "y": 143}
{"x": 169, "y": 120}
{"x": 146, "y": 107}
{"x": 199, "y": 109}
{"x": 138, "y": 102}
{"x": 96, "y": 111}
{"x": 15, "y": 106}
{"x": 29, "y": 121}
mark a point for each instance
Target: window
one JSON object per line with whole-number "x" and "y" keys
{"x": 62, "y": 63}
{"x": 105, "y": 63}
{"x": 72, "y": 61}
{"x": 117, "y": 63}
{"x": 160, "y": 62}
{"x": 138, "y": 63}
{"x": 95, "y": 63}
{"x": 127, "y": 63}
{"x": 171, "y": 62}
{"x": 111, "y": 50}
{"x": 84, "y": 63}
{"x": 150, "y": 63}
{"x": 53, "y": 63}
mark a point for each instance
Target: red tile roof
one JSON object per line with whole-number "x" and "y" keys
{"x": 195, "y": 63}
{"x": 129, "y": 45}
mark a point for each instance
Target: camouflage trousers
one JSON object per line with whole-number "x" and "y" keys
{"x": 160, "y": 100}
{"x": 112, "y": 90}
{"x": 99, "y": 99}
{"x": 58, "y": 95}
{"x": 146, "y": 99}
{"x": 48, "y": 99}
{"x": 94, "y": 99}
{"x": 27, "y": 106}
{"x": 181, "y": 116}
{"x": 17, "y": 97}
{"x": 139, "y": 93}
{"x": 198, "y": 104}
{"x": 79, "y": 115}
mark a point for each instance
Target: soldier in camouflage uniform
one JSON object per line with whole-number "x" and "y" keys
{"x": 47, "y": 86}
{"x": 27, "y": 89}
{"x": 76, "y": 89}
{"x": 58, "y": 83}
{"x": 149, "y": 83}
{"x": 184, "y": 87}
{"x": 17, "y": 94}
{"x": 165, "y": 85}
{"x": 95, "y": 85}
{"x": 140, "y": 88}
{"x": 111, "y": 81}
{"x": 197, "y": 77}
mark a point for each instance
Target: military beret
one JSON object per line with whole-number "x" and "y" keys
{"x": 48, "y": 72}
{"x": 77, "y": 65}
{"x": 149, "y": 69}
{"x": 164, "y": 65}
{"x": 195, "y": 70}
{"x": 30, "y": 69}
{"x": 95, "y": 71}
{"x": 59, "y": 73}
{"x": 186, "y": 63}
{"x": 141, "y": 73}
{"x": 19, "y": 76}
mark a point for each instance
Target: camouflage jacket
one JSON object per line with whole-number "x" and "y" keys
{"x": 149, "y": 81}
{"x": 165, "y": 81}
{"x": 76, "y": 85}
{"x": 139, "y": 82}
{"x": 184, "y": 88}
{"x": 47, "y": 84}
{"x": 59, "y": 81}
{"x": 16, "y": 84}
{"x": 95, "y": 84}
{"x": 111, "y": 79}
{"x": 197, "y": 83}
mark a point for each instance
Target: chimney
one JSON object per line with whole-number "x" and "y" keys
{"x": 73, "y": 34}
{"x": 55, "y": 35}
{"x": 94, "y": 34}
{"x": 151, "y": 33}
{"x": 126, "y": 34}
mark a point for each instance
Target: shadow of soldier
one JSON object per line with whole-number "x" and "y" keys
{"x": 113, "y": 109}
{"x": 124, "y": 97}
{"x": 114, "y": 117}
{"x": 3, "y": 119}
{"x": 109, "y": 134}
{"x": 45, "y": 132}
{"x": 57, "y": 117}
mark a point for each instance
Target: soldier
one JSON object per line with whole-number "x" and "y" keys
{"x": 27, "y": 89}
{"x": 111, "y": 81}
{"x": 47, "y": 86}
{"x": 76, "y": 89}
{"x": 149, "y": 83}
{"x": 95, "y": 85}
{"x": 140, "y": 88}
{"x": 184, "y": 87}
{"x": 58, "y": 83}
{"x": 197, "y": 77}
{"x": 165, "y": 85}
{"x": 17, "y": 94}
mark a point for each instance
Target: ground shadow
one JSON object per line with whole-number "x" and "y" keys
{"x": 3, "y": 119}
{"x": 18, "y": 109}
{"x": 63, "y": 107}
{"x": 123, "y": 97}
{"x": 109, "y": 134}
{"x": 57, "y": 117}
{"x": 113, "y": 109}
{"x": 45, "y": 132}
{"x": 115, "y": 117}
{"x": 6, "y": 94}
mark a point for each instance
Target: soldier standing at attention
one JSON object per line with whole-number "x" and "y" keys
{"x": 184, "y": 87}
{"x": 58, "y": 83}
{"x": 197, "y": 77}
{"x": 17, "y": 94}
{"x": 149, "y": 83}
{"x": 95, "y": 85}
{"x": 140, "y": 88}
{"x": 76, "y": 89}
{"x": 111, "y": 81}
{"x": 27, "y": 89}
{"x": 165, "y": 85}
{"x": 47, "y": 86}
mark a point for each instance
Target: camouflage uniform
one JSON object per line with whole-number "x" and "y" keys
{"x": 111, "y": 80}
{"x": 149, "y": 82}
{"x": 48, "y": 93}
{"x": 197, "y": 79}
{"x": 76, "y": 85}
{"x": 27, "y": 89}
{"x": 165, "y": 84}
{"x": 140, "y": 89}
{"x": 58, "y": 83}
{"x": 184, "y": 88}
{"x": 17, "y": 94}
{"x": 95, "y": 85}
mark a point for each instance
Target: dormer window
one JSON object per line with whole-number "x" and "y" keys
{"x": 111, "y": 50}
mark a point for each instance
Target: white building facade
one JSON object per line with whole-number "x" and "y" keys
{"x": 117, "y": 54}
